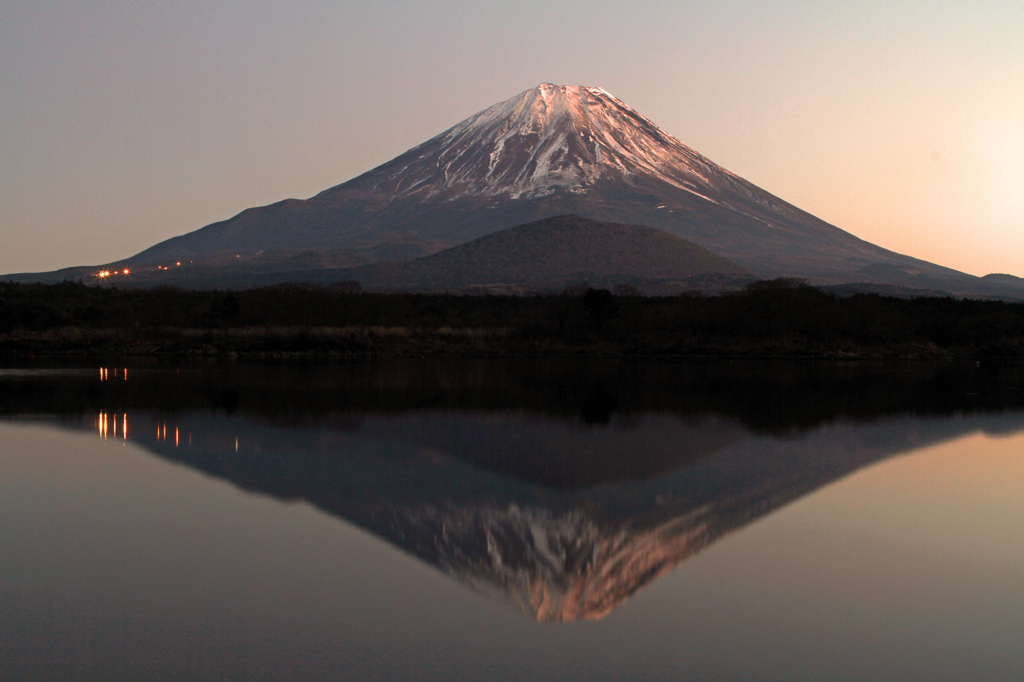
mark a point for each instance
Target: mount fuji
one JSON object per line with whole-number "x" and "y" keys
{"x": 549, "y": 151}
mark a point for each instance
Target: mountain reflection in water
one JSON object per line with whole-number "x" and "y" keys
{"x": 561, "y": 487}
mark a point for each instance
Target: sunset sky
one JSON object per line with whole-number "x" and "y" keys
{"x": 126, "y": 123}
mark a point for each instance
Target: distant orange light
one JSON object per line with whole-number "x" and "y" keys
{"x": 179, "y": 262}
{"x": 127, "y": 271}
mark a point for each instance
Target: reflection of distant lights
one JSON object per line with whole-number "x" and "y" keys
{"x": 105, "y": 374}
{"x": 236, "y": 443}
{"x": 106, "y": 425}
{"x": 177, "y": 440}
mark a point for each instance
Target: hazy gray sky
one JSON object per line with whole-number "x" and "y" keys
{"x": 125, "y": 123}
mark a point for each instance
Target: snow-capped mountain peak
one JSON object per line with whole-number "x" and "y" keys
{"x": 558, "y": 150}
{"x": 546, "y": 139}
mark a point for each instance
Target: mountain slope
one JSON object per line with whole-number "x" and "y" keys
{"x": 548, "y": 151}
{"x": 553, "y": 252}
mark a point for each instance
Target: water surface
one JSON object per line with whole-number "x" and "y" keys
{"x": 511, "y": 520}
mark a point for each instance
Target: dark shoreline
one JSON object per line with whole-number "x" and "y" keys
{"x": 342, "y": 343}
{"x": 780, "y": 319}
{"x": 349, "y": 343}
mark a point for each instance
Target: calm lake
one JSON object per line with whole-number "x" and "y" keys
{"x": 511, "y": 520}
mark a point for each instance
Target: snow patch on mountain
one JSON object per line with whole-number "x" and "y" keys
{"x": 546, "y": 139}
{"x": 553, "y": 567}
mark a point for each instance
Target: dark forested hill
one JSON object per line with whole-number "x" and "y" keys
{"x": 551, "y": 252}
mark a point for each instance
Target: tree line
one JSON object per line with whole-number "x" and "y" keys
{"x": 784, "y": 317}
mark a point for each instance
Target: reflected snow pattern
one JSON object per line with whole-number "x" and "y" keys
{"x": 558, "y": 487}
